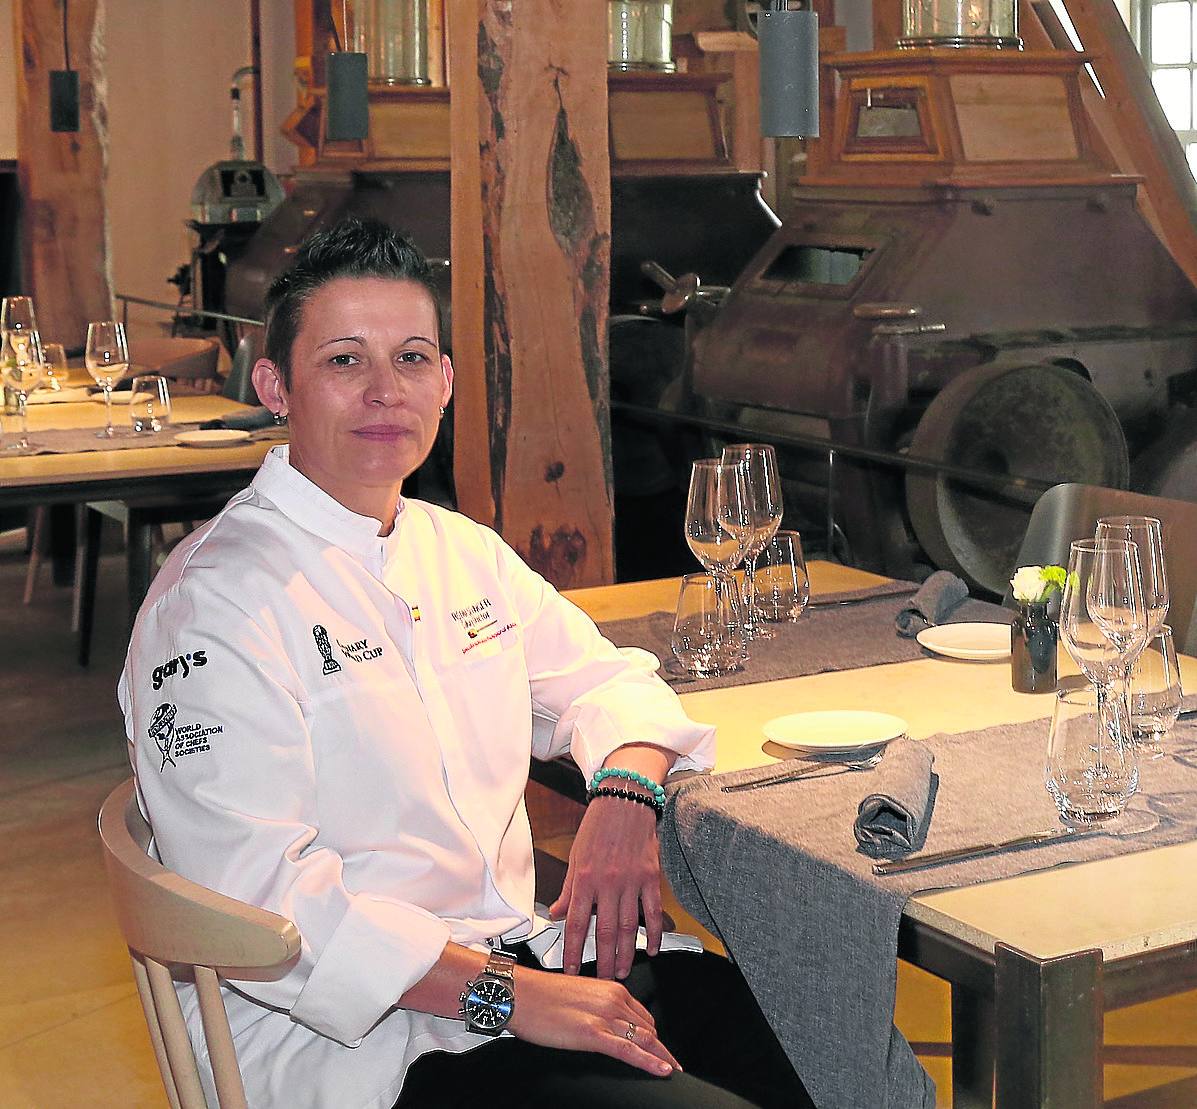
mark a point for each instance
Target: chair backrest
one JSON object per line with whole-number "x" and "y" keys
{"x": 166, "y": 919}
{"x": 239, "y": 385}
{"x": 176, "y": 358}
{"x": 1071, "y": 511}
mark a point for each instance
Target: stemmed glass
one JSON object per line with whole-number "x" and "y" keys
{"x": 765, "y": 510}
{"x": 107, "y": 360}
{"x": 719, "y": 527}
{"x": 1146, "y": 534}
{"x": 22, "y": 371}
{"x": 1103, "y": 624}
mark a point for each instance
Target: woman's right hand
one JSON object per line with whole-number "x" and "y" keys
{"x": 587, "y": 1014}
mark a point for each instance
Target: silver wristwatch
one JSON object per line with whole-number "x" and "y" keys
{"x": 488, "y": 1001}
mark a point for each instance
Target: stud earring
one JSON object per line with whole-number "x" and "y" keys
{"x": 442, "y": 409}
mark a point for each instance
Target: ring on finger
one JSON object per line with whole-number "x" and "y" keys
{"x": 630, "y": 1034}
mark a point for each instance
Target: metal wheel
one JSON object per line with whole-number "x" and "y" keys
{"x": 1033, "y": 421}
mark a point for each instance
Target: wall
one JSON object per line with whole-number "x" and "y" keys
{"x": 169, "y": 70}
{"x": 8, "y": 83}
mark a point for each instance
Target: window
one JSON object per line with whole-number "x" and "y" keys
{"x": 1168, "y": 41}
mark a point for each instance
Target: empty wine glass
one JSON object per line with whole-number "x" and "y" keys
{"x": 18, "y": 322}
{"x": 718, "y": 521}
{"x": 1145, "y": 532}
{"x": 1155, "y": 694}
{"x": 765, "y": 510}
{"x": 107, "y": 360}
{"x": 1102, "y": 619}
{"x": 21, "y": 370}
{"x": 1091, "y": 771}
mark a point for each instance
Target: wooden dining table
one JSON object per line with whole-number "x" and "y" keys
{"x": 1033, "y": 961}
{"x": 162, "y": 470}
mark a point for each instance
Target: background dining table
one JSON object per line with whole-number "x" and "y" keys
{"x": 1033, "y": 960}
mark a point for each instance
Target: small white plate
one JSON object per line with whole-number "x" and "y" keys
{"x": 973, "y": 642}
{"x": 212, "y": 437}
{"x": 836, "y": 730}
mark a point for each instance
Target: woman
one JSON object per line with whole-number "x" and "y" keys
{"x": 344, "y": 739}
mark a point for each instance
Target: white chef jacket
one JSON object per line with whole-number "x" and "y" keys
{"x": 336, "y": 726}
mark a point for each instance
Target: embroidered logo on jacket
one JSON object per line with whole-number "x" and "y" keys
{"x": 359, "y": 651}
{"x": 320, "y": 635}
{"x": 181, "y": 662}
{"x": 479, "y": 623}
{"x": 174, "y": 740}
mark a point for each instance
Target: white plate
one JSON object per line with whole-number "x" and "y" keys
{"x": 60, "y": 396}
{"x": 213, "y": 437}
{"x": 974, "y": 642}
{"x": 837, "y": 730}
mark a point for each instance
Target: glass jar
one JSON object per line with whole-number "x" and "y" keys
{"x": 986, "y": 23}
{"x": 640, "y": 35}
{"x": 393, "y": 34}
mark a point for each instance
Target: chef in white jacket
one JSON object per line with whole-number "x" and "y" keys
{"x": 329, "y": 698}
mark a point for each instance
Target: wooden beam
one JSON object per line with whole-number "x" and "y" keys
{"x": 531, "y": 275}
{"x": 887, "y": 23}
{"x": 1145, "y": 133}
{"x": 62, "y": 175}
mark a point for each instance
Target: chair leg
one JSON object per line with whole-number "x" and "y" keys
{"x": 37, "y": 544}
{"x": 79, "y": 569}
{"x": 87, "y": 591}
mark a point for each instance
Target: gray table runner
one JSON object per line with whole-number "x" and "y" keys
{"x": 78, "y": 440}
{"x": 827, "y": 636}
{"x": 776, "y": 872}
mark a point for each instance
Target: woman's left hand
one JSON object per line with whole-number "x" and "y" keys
{"x": 615, "y": 873}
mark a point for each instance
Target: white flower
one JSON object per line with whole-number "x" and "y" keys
{"x": 1028, "y": 584}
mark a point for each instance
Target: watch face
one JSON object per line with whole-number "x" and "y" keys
{"x": 489, "y": 1003}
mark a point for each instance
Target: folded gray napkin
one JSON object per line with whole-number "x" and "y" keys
{"x": 932, "y": 604}
{"x": 252, "y": 420}
{"x": 894, "y": 818}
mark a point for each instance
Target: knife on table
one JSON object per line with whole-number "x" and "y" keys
{"x": 973, "y": 851}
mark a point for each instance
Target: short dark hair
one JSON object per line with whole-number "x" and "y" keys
{"x": 351, "y": 248}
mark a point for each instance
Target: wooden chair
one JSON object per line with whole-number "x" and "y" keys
{"x": 180, "y": 359}
{"x": 1071, "y": 511}
{"x": 168, "y": 920}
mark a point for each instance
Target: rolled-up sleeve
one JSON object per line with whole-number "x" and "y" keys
{"x": 226, "y": 772}
{"x": 600, "y": 700}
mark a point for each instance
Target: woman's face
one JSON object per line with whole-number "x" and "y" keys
{"x": 368, "y": 380}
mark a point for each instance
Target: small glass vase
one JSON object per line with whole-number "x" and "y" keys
{"x": 1033, "y": 637}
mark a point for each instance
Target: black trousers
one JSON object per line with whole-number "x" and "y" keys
{"x": 705, "y": 1015}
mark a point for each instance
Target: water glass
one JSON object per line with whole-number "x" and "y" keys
{"x": 708, "y": 636}
{"x": 781, "y": 581}
{"x": 54, "y": 362}
{"x": 1091, "y": 770}
{"x": 149, "y": 404}
{"x": 1155, "y": 694}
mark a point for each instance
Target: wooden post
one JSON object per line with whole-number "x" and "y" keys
{"x": 887, "y": 23}
{"x": 531, "y": 275}
{"x": 62, "y": 175}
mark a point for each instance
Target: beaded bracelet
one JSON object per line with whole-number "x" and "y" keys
{"x": 631, "y": 776}
{"x": 627, "y": 795}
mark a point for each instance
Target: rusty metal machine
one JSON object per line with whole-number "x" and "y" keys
{"x": 964, "y": 278}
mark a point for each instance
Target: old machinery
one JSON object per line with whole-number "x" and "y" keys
{"x": 965, "y": 279}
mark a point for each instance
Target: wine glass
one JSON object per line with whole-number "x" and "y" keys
{"x": 1155, "y": 694}
{"x": 1102, "y": 619}
{"x": 107, "y": 360}
{"x": 18, "y": 323}
{"x": 718, "y": 522}
{"x": 54, "y": 359}
{"x": 765, "y": 510}
{"x": 1146, "y": 533}
{"x": 21, "y": 370}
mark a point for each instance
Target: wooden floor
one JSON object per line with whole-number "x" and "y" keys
{"x": 71, "y": 1029}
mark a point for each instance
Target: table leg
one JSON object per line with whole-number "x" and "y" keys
{"x": 1049, "y": 1030}
{"x": 63, "y": 541}
{"x": 972, "y": 1049}
{"x": 92, "y": 523}
{"x": 141, "y": 560}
